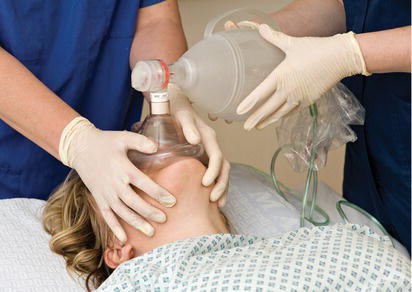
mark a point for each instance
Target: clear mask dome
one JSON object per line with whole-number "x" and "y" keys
{"x": 164, "y": 130}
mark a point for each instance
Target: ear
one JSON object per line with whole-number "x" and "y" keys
{"x": 118, "y": 254}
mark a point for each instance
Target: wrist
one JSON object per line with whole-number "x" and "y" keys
{"x": 354, "y": 60}
{"x": 70, "y": 139}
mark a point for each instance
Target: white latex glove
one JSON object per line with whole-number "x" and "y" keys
{"x": 196, "y": 131}
{"x": 229, "y": 25}
{"x": 100, "y": 159}
{"x": 311, "y": 67}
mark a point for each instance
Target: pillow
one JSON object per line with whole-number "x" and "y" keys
{"x": 254, "y": 208}
{"x": 27, "y": 264}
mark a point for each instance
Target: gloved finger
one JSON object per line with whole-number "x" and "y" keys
{"x": 268, "y": 108}
{"x": 277, "y": 38}
{"x": 111, "y": 221}
{"x": 260, "y": 93}
{"x": 211, "y": 117}
{"x": 222, "y": 201}
{"x": 144, "y": 183}
{"x": 213, "y": 170}
{"x": 281, "y": 112}
{"x": 222, "y": 182}
{"x": 188, "y": 124}
{"x": 143, "y": 208}
{"x": 132, "y": 218}
{"x": 230, "y": 25}
{"x": 248, "y": 24}
{"x": 215, "y": 155}
{"x": 139, "y": 142}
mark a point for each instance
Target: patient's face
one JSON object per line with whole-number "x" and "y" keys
{"x": 192, "y": 215}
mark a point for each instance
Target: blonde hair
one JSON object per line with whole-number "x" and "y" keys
{"x": 79, "y": 234}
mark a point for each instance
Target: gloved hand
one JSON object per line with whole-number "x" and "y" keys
{"x": 196, "y": 131}
{"x": 100, "y": 159}
{"x": 311, "y": 67}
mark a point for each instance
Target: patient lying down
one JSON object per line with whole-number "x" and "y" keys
{"x": 80, "y": 234}
{"x": 193, "y": 250}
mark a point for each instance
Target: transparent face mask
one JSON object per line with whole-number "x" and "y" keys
{"x": 164, "y": 130}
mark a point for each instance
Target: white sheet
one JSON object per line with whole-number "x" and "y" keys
{"x": 254, "y": 208}
{"x": 26, "y": 263}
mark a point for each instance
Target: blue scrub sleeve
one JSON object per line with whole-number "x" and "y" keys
{"x": 145, "y": 3}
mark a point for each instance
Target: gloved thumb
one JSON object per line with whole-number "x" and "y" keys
{"x": 188, "y": 124}
{"x": 248, "y": 24}
{"x": 277, "y": 38}
{"x": 191, "y": 134}
{"x": 139, "y": 142}
{"x": 230, "y": 25}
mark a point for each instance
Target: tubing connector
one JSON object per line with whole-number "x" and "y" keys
{"x": 159, "y": 103}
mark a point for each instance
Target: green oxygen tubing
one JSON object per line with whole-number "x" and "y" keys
{"x": 309, "y": 206}
{"x": 311, "y": 185}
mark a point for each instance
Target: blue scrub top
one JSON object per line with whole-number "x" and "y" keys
{"x": 378, "y": 164}
{"x": 80, "y": 50}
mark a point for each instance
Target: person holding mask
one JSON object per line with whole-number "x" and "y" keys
{"x": 368, "y": 41}
{"x": 64, "y": 61}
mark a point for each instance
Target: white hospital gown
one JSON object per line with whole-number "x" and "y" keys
{"x": 343, "y": 257}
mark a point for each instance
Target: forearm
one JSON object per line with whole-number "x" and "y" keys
{"x": 383, "y": 51}
{"x": 387, "y": 50}
{"x": 159, "y": 34}
{"x": 312, "y": 18}
{"x": 28, "y": 106}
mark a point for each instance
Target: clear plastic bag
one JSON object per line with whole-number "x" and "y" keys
{"x": 337, "y": 109}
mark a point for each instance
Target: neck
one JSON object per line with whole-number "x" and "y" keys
{"x": 201, "y": 222}
{"x": 192, "y": 215}
{"x": 183, "y": 223}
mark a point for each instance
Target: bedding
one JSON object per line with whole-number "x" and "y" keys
{"x": 27, "y": 263}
